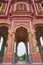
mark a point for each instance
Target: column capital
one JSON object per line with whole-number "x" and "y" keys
{"x": 33, "y": 32}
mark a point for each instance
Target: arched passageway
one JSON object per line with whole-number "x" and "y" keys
{"x": 39, "y": 37}
{"x": 21, "y": 39}
{"x": 3, "y": 39}
{"x": 21, "y": 51}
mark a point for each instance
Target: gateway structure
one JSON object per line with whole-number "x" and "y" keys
{"x": 21, "y": 20}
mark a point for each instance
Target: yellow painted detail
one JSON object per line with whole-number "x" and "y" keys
{"x": 3, "y": 8}
{"x": 39, "y": 8}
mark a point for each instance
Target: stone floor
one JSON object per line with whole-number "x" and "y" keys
{"x": 20, "y": 63}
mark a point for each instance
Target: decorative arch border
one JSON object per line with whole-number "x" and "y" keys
{"x": 5, "y": 25}
{"x": 37, "y": 24}
{"x": 5, "y": 22}
{"x": 21, "y": 25}
{"x": 27, "y": 5}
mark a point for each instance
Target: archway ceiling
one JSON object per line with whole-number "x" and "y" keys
{"x": 4, "y": 32}
{"x": 21, "y": 35}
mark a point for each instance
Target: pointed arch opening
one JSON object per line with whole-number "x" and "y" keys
{"x": 22, "y": 50}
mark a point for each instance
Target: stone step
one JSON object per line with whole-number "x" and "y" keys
{"x": 21, "y": 64}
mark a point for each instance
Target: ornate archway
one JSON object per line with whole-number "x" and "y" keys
{"x": 21, "y": 35}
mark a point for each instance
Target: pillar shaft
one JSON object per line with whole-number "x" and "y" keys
{"x": 36, "y": 58}
{"x": 10, "y": 46}
{"x": 30, "y": 42}
{"x": 16, "y": 54}
{"x": 27, "y": 52}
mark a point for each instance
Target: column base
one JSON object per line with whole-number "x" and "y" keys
{"x": 7, "y": 58}
{"x": 36, "y": 58}
{"x": 29, "y": 60}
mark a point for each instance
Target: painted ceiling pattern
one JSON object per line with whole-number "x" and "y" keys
{"x": 21, "y": 7}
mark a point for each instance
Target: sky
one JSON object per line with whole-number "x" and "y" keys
{"x": 1, "y": 42}
{"x": 41, "y": 40}
{"x": 21, "y": 49}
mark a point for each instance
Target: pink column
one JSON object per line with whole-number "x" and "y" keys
{"x": 8, "y": 57}
{"x": 36, "y": 58}
{"x": 30, "y": 41}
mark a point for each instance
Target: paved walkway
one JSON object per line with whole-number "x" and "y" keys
{"x": 19, "y": 63}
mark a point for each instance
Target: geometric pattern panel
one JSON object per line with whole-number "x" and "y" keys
{"x": 21, "y": 7}
{"x": 39, "y": 6}
{"x": 3, "y": 7}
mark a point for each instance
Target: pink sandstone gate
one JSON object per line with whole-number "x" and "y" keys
{"x": 25, "y": 13}
{"x": 8, "y": 57}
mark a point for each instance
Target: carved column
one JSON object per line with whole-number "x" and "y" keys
{"x": 27, "y": 51}
{"x": 31, "y": 47}
{"x": 36, "y": 58}
{"x": 31, "y": 43}
{"x": 9, "y": 53}
{"x": 16, "y": 52}
{"x": 34, "y": 41}
{"x": 13, "y": 42}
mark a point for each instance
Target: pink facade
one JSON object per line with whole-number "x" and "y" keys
{"x": 27, "y": 14}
